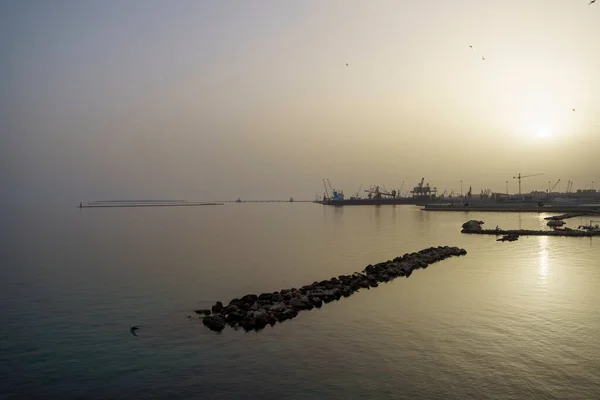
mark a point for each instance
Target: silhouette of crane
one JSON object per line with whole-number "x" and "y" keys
{"x": 519, "y": 177}
{"x": 551, "y": 188}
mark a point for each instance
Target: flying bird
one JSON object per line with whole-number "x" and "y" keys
{"x": 471, "y": 47}
{"x": 133, "y": 329}
{"x": 347, "y": 65}
{"x": 592, "y": 2}
{"x": 573, "y": 110}
{"x": 483, "y": 58}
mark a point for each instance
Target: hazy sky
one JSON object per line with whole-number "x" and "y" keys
{"x": 211, "y": 100}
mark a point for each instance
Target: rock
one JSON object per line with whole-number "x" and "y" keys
{"x": 317, "y": 302}
{"x": 229, "y": 309}
{"x": 261, "y": 319}
{"x": 277, "y": 297}
{"x": 472, "y": 225}
{"x": 235, "y": 316}
{"x": 272, "y": 319}
{"x": 299, "y": 303}
{"x": 290, "y": 313}
{"x": 249, "y": 298}
{"x": 202, "y": 312}
{"x": 248, "y": 324}
{"x": 265, "y": 296}
{"x": 214, "y": 323}
{"x": 217, "y": 307}
{"x": 278, "y": 307}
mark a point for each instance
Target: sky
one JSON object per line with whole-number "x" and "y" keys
{"x": 215, "y": 100}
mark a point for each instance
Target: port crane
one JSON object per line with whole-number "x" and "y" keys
{"x": 377, "y": 193}
{"x": 550, "y": 189}
{"x": 519, "y": 177}
{"x": 421, "y": 190}
{"x": 569, "y": 186}
{"x": 326, "y": 195}
{"x": 357, "y": 194}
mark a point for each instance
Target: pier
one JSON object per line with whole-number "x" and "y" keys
{"x": 528, "y": 208}
{"x": 255, "y": 312}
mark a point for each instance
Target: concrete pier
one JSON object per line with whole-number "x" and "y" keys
{"x": 529, "y": 208}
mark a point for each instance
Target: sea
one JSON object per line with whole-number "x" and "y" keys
{"x": 510, "y": 320}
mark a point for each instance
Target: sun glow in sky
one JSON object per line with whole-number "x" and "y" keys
{"x": 219, "y": 100}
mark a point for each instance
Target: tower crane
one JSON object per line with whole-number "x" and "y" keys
{"x": 519, "y": 177}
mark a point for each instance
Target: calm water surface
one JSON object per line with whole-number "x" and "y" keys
{"x": 508, "y": 321}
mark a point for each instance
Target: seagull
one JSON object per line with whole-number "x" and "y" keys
{"x": 592, "y": 2}
{"x": 347, "y": 65}
{"x": 483, "y": 58}
{"x": 471, "y": 47}
{"x": 573, "y": 110}
{"x": 133, "y": 329}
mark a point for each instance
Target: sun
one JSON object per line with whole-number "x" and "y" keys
{"x": 543, "y": 132}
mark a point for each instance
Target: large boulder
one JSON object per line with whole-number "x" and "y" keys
{"x": 217, "y": 308}
{"x": 214, "y": 323}
{"x": 472, "y": 226}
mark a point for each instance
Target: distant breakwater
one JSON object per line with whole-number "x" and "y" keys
{"x": 474, "y": 227}
{"x": 526, "y": 232}
{"x": 254, "y": 312}
{"x": 144, "y": 204}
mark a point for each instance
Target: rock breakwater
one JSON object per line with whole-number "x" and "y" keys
{"x": 254, "y": 312}
{"x": 474, "y": 227}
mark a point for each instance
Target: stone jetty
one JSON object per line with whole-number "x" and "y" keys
{"x": 474, "y": 227}
{"x": 254, "y": 312}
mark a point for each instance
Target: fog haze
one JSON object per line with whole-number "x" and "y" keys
{"x": 214, "y": 100}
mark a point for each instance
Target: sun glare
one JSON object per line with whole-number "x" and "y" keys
{"x": 543, "y": 133}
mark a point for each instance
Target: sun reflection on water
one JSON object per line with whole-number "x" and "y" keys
{"x": 543, "y": 253}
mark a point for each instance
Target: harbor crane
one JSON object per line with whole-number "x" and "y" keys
{"x": 553, "y": 187}
{"x": 569, "y": 186}
{"x": 519, "y": 177}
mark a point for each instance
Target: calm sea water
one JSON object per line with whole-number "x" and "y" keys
{"x": 508, "y": 321}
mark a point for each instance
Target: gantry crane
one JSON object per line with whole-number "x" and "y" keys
{"x": 519, "y": 177}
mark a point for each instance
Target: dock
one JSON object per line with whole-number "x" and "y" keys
{"x": 528, "y": 208}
